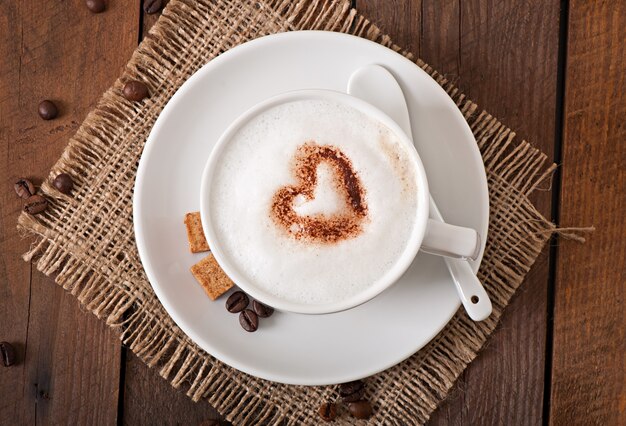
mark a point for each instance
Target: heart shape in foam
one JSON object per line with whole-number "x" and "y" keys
{"x": 321, "y": 228}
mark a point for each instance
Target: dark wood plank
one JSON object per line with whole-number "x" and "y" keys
{"x": 69, "y": 370}
{"x": 168, "y": 405}
{"x": 518, "y": 85}
{"x": 73, "y": 360}
{"x": 17, "y": 402}
{"x": 400, "y": 18}
{"x": 589, "y": 360}
{"x": 440, "y": 36}
{"x": 148, "y": 396}
{"x": 482, "y": 45}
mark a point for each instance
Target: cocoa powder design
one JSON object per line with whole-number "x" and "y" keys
{"x": 319, "y": 228}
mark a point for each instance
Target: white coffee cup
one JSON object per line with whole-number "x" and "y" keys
{"x": 427, "y": 235}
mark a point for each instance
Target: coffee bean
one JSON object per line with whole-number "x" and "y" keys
{"x": 7, "y": 352}
{"x": 24, "y": 188}
{"x": 237, "y": 302}
{"x": 328, "y": 411}
{"x": 360, "y": 409}
{"x": 35, "y": 204}
{"x": 262, "y": 310}
{"x": 96, "y": 6}
{"x": 152, "y": 6}
{"x": 135, "y": 91}
{"x": 63, "y": 183}
{"x": 352, "y": 391}
{"x": 353, "y": 397}
{"x": 48, "y": 110}
{"x": 249, "y": 320}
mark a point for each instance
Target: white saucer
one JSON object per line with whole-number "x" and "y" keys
{"x": 291, "y": 348}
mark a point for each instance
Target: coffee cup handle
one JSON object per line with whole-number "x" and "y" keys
{"x": 443, "y": 239}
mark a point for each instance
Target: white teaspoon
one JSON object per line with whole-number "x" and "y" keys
{"x": 376, "y": 85}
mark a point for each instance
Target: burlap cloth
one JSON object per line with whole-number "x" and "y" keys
{"x": 87, "y": 240}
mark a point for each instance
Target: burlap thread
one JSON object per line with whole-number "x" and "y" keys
{"x": 87, "y": 240}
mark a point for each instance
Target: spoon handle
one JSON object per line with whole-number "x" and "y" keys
{"x": 470, "y": 289}
{"x": 376, "y": 85}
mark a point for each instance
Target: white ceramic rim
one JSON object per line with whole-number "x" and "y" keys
{"x": 384, "y": 281}
{"x": 140, "y": 230}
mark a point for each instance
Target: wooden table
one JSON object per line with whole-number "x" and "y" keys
{"x": 554, "y": 71}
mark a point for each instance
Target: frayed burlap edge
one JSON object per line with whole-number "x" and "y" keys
{"x": 86, "y": 241}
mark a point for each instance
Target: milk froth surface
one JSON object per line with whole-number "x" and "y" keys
{"x": 363, "y": 178}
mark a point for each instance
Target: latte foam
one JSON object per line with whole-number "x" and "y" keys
{"x": 314, "y": 201}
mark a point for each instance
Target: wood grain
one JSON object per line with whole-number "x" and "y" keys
{"x": 73, "y": 360}
{"x": 69, "y": 369}
{"x": 589, "y": 361}
{"x": 18, "y": 396}
{"x": 482, "y": 46}
{"x": 440, "y": 36}
{"x": 400, "y": 18}
{"x": 518, "y": 85}
{"x": 149, "y": 396}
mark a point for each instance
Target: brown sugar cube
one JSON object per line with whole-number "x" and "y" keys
{"x": 195, "y": 234}
{"x": 211, "y": 277}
